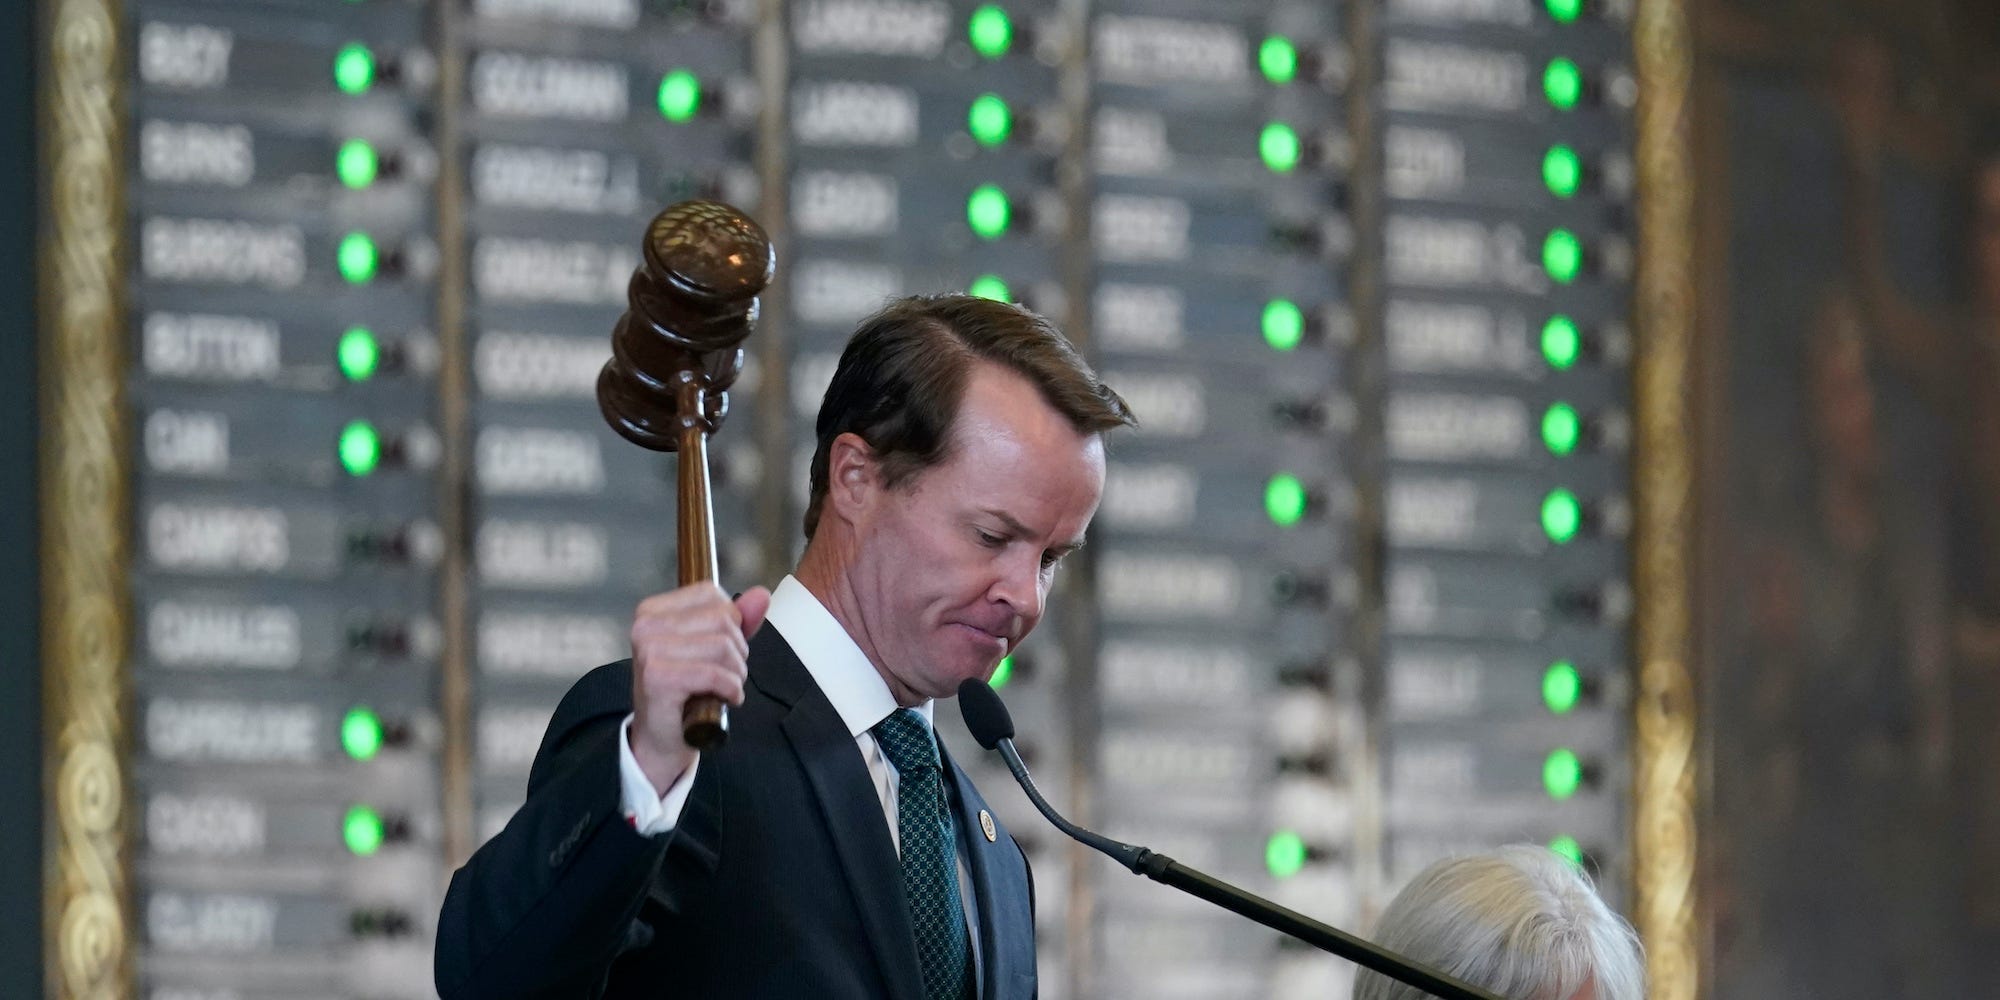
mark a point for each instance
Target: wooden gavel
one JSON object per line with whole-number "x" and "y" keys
{"x": 674, "y": 354}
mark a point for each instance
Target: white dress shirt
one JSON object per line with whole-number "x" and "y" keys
{"x": 859, "y": 695}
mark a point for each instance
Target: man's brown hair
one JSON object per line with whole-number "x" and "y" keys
{"x": 902, "y": 376}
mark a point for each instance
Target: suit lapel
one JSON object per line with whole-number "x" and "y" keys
{"x": 846, "y": 798}
{"x": 997, "y": 888}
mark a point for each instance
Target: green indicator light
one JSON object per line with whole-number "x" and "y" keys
{"x": 1284, "y": 324}
{"x": 360, "y": 448}
{"x": 1562, "y": 516}
{"x": 354, "y": 68}
{"x": 988, "y": 212}
{"x": 1562, "y": 687}
{"x": 356, "y": 164}
{"x": 1278, "y": 144}
{"x": 1568, "y": 849}
{"x": 1002, "y": 673}
{"x": 363, "y": 831}
{"x": 1564, "y": 11}
{"x": 361, "y": 733}
{"x": 1562, "y": 256}
{"x": 358, "y": 353}
{"x": 1562, "y": 773}
{"x": 989, "y": 120}
{"x": 680, "y": 95}
{"x": 1285, "y": 499}
{"x": 1562, "y": 170}
{"x": 1278, "y": 59}
{"x": 357, "y": 258}
{"x": 1562, "y": 83}
{"x": 1561, "y": 429}
{"x": 1562, "y": 342}
{"x": 991, "y": 31}
{"x": 1285, "y": 854}
{"x": 990, "y": 286}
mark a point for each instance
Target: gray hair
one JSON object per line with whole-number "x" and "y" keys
{"x": 1520, "y": 921}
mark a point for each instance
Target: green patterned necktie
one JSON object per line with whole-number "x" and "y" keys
{"x": 930, "y": 861}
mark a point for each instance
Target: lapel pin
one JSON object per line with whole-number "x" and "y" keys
{"x": 986, "y": 825}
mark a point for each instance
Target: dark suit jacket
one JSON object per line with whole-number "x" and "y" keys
{"x": 780, "y": 879}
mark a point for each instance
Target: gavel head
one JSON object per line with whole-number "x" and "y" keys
{"x": 692, "y": 301}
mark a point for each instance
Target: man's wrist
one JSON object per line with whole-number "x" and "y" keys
{"x": 662, "y": 769}
{"x": 650, "y": 809}
{"x": 662, "y": 773}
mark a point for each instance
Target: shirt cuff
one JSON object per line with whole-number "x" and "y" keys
{"x": 649, "y": 812}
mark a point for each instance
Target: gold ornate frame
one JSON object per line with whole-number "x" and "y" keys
{"x": 87, "y": 909}
{"x": 1663, "y": 806}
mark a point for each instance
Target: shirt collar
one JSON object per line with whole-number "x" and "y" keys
{"x": 831, "y": 656}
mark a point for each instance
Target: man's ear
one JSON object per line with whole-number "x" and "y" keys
{"x": 853, "y": 473}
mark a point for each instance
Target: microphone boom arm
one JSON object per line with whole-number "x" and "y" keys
{"x": 1167, "y": 871}
{"x": 1125, "y": 854}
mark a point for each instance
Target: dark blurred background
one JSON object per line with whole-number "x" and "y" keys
{"x": 1851, "y": 324}
{"x": 20, "y": 680}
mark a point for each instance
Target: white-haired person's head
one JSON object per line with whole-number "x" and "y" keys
{"x": 1520, "y": 921}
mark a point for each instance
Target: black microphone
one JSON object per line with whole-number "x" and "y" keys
{"x": 987, "y": 719}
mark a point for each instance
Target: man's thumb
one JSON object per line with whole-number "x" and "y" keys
{"x": 752, "y": 604}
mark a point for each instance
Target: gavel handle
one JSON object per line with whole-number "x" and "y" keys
{"x": 704, "y": 719}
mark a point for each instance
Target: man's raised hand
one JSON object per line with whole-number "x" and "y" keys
{"x": 686, "y": 642}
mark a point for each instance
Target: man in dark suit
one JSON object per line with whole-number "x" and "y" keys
{"x": 829, "y": 848}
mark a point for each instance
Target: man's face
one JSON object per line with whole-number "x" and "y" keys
{"x": 952, "y": 567}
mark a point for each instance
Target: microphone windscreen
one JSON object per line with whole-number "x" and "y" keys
{"x": 985, "y": 714}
